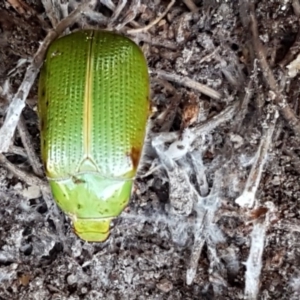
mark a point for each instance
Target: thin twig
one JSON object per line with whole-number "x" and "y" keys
{"x": 28, "y": 145}
{"x": 133, "y": 31}
{"x": 97, "y": 17}
{"x": 245, "y": 102}
{"x": 18, "y": 102}
{"x": 188, "y": 83}
{"x": 17, "y": 150}
{"x": 24, "y": 176}
{"x": 52, "y": 11}
{"x": 286, "y": 111}
{"x": 191, "y": 5}
{"x": 130, "y": 14}
{"x": 109, "y": 4}
{"x": 117, "y": 11}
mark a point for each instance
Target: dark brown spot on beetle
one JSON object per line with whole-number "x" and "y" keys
{"x": 77, "y": 180}
{"x": 43, "y": 92}
{"x": 135, "y": 154}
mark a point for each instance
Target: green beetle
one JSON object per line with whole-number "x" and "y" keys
{"x": 93, "y": 108}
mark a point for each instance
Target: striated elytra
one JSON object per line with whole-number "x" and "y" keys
{"x": 93, "y": 109}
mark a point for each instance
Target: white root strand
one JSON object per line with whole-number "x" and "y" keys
{"x": 247, "y": 199}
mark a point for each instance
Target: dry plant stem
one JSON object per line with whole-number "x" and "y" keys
{"x": 18, "y": 101}
{"x": 28, "y": 145}
{"x": 245, "y": 102}
{"x": 133, "y": 31}
{"x": 244, "y": 105}
{"x": 52, "y": 11}
{"x": 254, "y": 261}
{"x": 17, "y": 150}
{"x": 109, "y": 4}
{"x": 63, "y": 8}
{"x": 191, "y": 5}
{"x": 296, "y": 7}
{"x": 117, "y": 11}
{"x": 24, "y": 176}
{"x": 247, "y": 199}
{"x": 97, "y": 17}
{"x": 185, "y": 81}
{"x": 280, "y": 99}
{"x": 130, "y": 14}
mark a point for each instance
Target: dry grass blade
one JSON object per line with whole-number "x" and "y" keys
{"x": 24, "y": 176}
{"x": 249, "y": 90}
{"x": 52, "y": 11}
{"x": 109, "y": 4}
{"x": 118, "y": 10}
{"x": 130, "y": 15}
{"x": 133, "y": 31}
{"x": 28, "y": 145}
{"x": 17, "y": 150}
{"x": 191, "y": 5}
{"x": 185, "y": 81}
{"x": 18, "y": 101}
